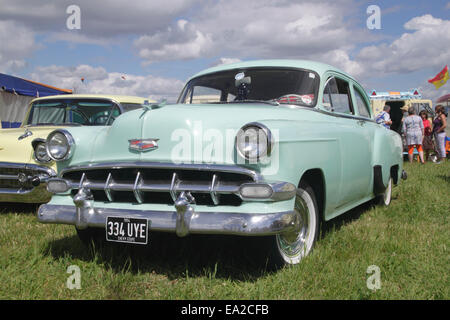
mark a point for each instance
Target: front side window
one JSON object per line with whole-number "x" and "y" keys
{"x": 272, "y": 85}
{"x": 75, "y": 112}
{"x": 336, "y": 96}
{"x": 363, "y": 109}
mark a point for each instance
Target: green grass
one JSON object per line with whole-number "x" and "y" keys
{"x": 408, "y": 241}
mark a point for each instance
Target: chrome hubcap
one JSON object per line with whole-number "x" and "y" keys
{"x": 292, "y": 243}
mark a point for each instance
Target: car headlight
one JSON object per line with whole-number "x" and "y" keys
{"x": 254, "y": 141}
{"x": 60, "y": 145}
{"x": 40, "y": 152}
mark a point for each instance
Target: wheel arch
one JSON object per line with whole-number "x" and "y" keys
{"x": 316, "y": 180}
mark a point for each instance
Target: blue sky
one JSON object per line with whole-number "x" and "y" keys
{"x": 158, "y": 44}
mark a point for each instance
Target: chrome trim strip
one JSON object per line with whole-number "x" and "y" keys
{"x": 213, "y": 192}
{"x": 164, "y": 165}
{"x": 245, "y": 224}
{"x": 136, "y": 188}
{"x": 9, "y": 176}
{"x": 28, "y": 166}
{"x": 38, "y": 194}
{"x": 280, "y": 190}
{"x": 82, "y": 181}
{"x": 108, "y": 187}
{"x": 173, "y": 186}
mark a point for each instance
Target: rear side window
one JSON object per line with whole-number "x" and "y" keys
{"x": 363, "y": 109}
{"x": 336, "y": 96}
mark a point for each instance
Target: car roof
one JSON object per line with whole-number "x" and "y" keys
{"x": 318, "y": 67}
{"x": 118, "y": 98}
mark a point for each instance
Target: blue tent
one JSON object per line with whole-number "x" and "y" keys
{"x": 28, "y": 88}
{"x": 15, "y": 95}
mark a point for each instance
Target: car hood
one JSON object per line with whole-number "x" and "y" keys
{"x": 185, "y": 133}
{"x": 20, "y": 151}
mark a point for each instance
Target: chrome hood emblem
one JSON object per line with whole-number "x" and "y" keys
{"x": 143, "y": 145}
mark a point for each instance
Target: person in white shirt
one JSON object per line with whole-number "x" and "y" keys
{"x": 384, "y": 118}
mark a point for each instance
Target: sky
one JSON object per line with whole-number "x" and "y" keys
{"x": 150, "y": 48}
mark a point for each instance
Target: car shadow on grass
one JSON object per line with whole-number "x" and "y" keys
{"x": 445, "y": 178}
{"x": 348, "y": 217}
{"x": 19, "y": 208}
{"x": 223, "y": 257}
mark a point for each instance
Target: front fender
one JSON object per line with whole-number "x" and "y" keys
{"x": 387, "y": 152}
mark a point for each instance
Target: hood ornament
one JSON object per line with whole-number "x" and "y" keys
{"x": 26, "y": 134}
{"x": 143, "y": 145}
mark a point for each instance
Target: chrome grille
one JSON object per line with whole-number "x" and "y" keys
{"x": 9, "y": 176}
{"x": 160, "y": 183}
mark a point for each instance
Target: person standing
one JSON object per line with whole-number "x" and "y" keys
{"x": 414, "y": 132}
{"x": 384, "y": 117}
{"x": 427, "y": 144}
{"x": 439, "y": 125}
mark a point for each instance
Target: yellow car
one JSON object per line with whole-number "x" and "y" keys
{"x": 24, "y": 164}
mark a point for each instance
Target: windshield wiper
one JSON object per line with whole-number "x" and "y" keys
{"x": 54, "y": 124}
{"x": 271, "y": 102}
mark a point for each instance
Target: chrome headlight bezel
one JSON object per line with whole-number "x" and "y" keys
{"x": 40, "y": 144}
{"x": 68, "y": 141}
{"x": 267, "y": 139}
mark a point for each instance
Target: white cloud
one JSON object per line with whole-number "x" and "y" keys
{"x": 261, "y": 29}
{"x": 222, "y": 61}
{"x": 16, "y": 44}
{"x": 106, "y": 18}
{"x": 180, "y": 42}
{"x": 427, "y": 46}
{"x": 98, "y": 80}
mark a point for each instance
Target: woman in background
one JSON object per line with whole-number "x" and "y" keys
{"x": 428, "y": 135}
{"x": 414, "y": 132}
{"x": 439, "y": 125}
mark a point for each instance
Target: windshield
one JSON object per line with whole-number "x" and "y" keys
{"x": 275, "y": 85}
{"x": 73, "y": 112}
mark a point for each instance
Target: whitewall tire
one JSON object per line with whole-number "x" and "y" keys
{"x": 291, "y": 247}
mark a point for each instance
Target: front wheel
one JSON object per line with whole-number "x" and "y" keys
{"x": 290, "y": 247}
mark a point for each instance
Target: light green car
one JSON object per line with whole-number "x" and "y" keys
{"x": 258, "y": 148}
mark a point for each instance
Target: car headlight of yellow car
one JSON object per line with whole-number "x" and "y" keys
{"x": 60, "y": 145}
{"x": 40, "y": 152}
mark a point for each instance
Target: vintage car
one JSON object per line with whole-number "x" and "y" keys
{"x": 259, "y": 148}
{"x": 24, "y": 164}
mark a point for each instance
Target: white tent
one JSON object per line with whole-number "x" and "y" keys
{"x": 13, "y": 108}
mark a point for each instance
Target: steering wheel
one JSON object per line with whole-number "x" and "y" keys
{"x": 99, "y": 119}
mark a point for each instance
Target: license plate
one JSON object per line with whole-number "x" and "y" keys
{"x": 128, "y": 230}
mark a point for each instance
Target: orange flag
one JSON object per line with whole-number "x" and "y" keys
{"x": 440, "y": 79}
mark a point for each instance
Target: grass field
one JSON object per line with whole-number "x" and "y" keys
{"x": 408, "y": 241}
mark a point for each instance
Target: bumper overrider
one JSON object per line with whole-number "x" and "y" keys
{"x": 20, "y": 182}
{"x": 184, "y": 219}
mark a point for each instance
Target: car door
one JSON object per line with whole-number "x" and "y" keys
{"x": 354, "y": 140}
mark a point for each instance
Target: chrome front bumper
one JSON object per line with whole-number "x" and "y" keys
{"x": 31, "y": 182}
{"x": 259, "y": 224}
